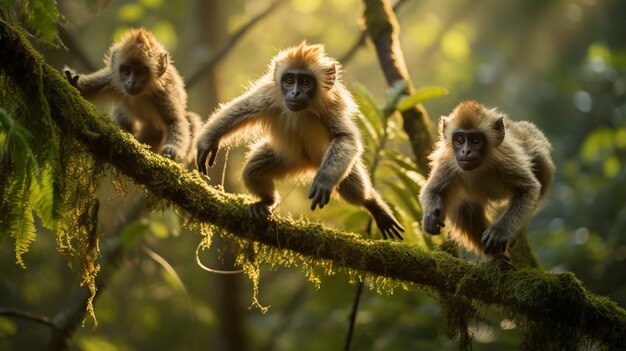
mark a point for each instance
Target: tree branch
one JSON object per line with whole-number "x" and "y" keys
{"x": 360, "y": 41}
{"x": 230, "y": 43}
{"x": 555, "y": 300}
{"x": 383, "y": 29}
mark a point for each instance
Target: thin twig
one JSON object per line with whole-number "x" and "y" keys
{"x": 27, "y": 316}
{"x": 225, "y": 49}
{"x": 375, "y": 162}
{"x": 352, "y": 318}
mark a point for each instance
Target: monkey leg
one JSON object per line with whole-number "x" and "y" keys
{"x": 357, "y": 189}
{"x": 195, "y": 127}
{"x": 263, "y": 166}
{"x": 152, "y": 136}
{"x": 123, "y": 121}
{"x": 470, "y": 222}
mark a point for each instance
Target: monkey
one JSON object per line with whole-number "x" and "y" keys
{"x": 304, "y": 119}
{"x": 145, "y": 94}
{"x": 488, "y": 176}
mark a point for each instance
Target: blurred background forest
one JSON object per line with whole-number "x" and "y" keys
{"x": 560, "y": 64}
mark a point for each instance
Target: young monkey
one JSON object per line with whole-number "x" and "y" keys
{"x": 305, "y": 116}
{"x": 146, "y": 94}
{"x": 484, "y": 163}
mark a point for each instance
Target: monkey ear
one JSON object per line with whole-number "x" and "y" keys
{"x": 331, "y": 75}
{"x": 498, "y": 127}
{"x": 442, "y": 125}
{"x": 162, "y": 63}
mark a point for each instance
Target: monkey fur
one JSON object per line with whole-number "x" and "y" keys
{"x": 145, "y": 94}
{"x": 488, "y": 175}
{"x": 303, "y": 118}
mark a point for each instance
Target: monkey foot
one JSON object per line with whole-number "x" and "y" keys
{"x": 259, "y": 211}
{"x": 390, "y": 229}
{"x": 502, "y": 260}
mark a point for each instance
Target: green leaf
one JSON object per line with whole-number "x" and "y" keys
{"x": 41, "y": 18}
{"x": 412, "y": 185}
{"x": 402, "y": 161}
{"x": 23, "y": 230}
{"x": 421, "y": 95}
{"x": 392, "y": 95}
{"x": 407, "y": 200}
{"x": 373, "y": 116}
{"x": 17, "y": 217}
{"x": 132, "y": 233}
{"x": 45, "y": 198}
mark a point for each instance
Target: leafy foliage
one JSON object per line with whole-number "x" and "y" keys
{"x": 19, "y": 167}
{"x": 421, "y": 95}
{"x": 381, "y": 135}
{"x": 41, "y": 17}
{"x": 36, "y": 161}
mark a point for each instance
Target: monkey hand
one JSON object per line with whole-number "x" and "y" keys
{"x": 203, "y": 154}
{"x": 71, "y": 76}
{"x": 433, "y": 221}
{"x": 320, "y": 193}
{"x": 494, "y": 240}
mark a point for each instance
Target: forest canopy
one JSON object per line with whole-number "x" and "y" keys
{"x": 126, "y": 241}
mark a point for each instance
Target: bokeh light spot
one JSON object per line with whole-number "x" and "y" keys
{"x": 455, "y": 45}
{"x": 583, "y": 101}
{"x": 306, "y": 6}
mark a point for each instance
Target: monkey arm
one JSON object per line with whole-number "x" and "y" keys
{"x": 431, "y": 198}
{"x": 230, "y": 118}
{"x": 521, "y": 207}
{"x": 96, "y": 85}
{"x": 177, "y": 125}
{"x": 339, "y": 158}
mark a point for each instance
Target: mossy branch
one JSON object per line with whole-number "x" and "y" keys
{"x": 559, "y": 300}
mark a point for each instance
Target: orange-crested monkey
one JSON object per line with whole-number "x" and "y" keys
{"x": 305, "y": 117}
{"x": 488, "y": 176}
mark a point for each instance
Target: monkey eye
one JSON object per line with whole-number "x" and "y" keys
{"x": 125, "y": 70}
{"x": 289, "y": 81}
{"x": 460, "y": 140}
{"x": 306, "y": 82}
{"x": 476, "y": 141}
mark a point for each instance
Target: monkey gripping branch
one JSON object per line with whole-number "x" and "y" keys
{"x": 558, "y": 303}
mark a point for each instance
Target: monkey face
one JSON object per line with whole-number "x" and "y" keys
{"x": 469, "y": 148}
{"x": 134, "y": 77}
{"x": 298, "y": 87}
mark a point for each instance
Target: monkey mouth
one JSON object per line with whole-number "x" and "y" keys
{"x": 468, "y": 165}
{"x": 295, "y": 106}
{"x": 132, "y": 91}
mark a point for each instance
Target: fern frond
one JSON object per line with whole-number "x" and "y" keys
{"x": 24, "y": 233}
{"x": 20, "y": 222}
{"x": 41, "y": 18}
{"x": 45, "y": 198}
